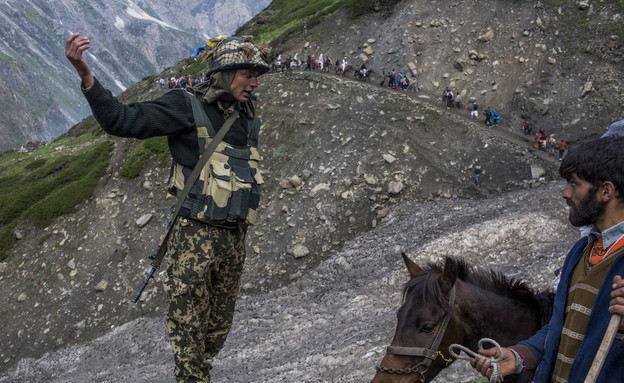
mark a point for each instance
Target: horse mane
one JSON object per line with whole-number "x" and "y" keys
{"x": 489, "y": 280}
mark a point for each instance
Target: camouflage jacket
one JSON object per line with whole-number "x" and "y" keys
{"x": 172, "y": 115}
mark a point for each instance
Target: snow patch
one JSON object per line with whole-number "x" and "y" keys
{"x": 120, "y": 84}
{"x": 119, "y": 23}
{"x": 135, "y": 11}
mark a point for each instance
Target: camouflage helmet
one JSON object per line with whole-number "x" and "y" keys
{"x": 233, "y": 53}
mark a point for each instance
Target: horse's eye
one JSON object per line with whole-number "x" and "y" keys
{"x": 427, "y": 328}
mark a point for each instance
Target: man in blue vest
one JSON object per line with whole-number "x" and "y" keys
{"x": 591, "y": 288}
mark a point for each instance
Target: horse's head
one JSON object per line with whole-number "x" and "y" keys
{"x": 488, "y": 305}
{"x": 419, "y": 348}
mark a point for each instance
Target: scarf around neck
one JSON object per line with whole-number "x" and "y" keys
{"x": 219, "y": 85}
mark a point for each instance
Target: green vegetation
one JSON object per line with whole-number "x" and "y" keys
{"x": 281, "y": 152}
{"x": 589, "y": 28}
{"x": 43, "y": 189}
{"x": 88, "y": 127}
{"x": 142, "y": 150}
{"x": 193, "y": 65}
{"x": 292, "y": 15}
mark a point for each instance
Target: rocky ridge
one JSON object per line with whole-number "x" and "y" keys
{"x": 524, "y": 60}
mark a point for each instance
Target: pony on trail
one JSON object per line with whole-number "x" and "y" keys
{"x": 326, "y": 64}
{"x": 366, "y": 77}
{"x": 347, "y": 69}
{"x": 457, "y": 303}
{"x": 281, "y": 66}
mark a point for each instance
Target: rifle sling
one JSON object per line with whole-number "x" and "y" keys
{"x": 189, "y": 183}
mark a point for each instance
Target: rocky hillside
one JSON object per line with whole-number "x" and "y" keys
{"x": 355, "y": 173}
{"x": 130, "y": 41}
{"x": 338, "y": 155}
{"x": 330, "y": 325}
{"x": 557, "y": 63}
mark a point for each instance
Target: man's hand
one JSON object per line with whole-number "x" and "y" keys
{"x": 483, "y": 365}
{"x": 73, "y": 51}
{"x": 617, "y": 299}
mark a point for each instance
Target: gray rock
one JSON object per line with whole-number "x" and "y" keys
{"x": 319, "y": 189}
{"x": 144, "y": 220}
{"x": 395, "y": 187}
{"x": 300, "y": 251}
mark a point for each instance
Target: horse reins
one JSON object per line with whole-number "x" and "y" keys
{"x": 430, "y": 354}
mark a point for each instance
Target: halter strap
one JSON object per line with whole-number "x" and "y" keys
{"x": 429, "y": 353}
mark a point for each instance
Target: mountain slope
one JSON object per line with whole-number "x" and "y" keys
{"x": 355, "y": 173}
{"x": 130, "y": 40}
{"x": 523, "y": 58}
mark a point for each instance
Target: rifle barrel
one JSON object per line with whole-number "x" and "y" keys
{"x": 145, "y": 282}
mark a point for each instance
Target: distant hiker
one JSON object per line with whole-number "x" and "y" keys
{"x": 495, "y": 118}
{"x": 450, "y": 99}
{"x": 488, "y": 116}
{"x": 383, "y": 78}
{"x": 551, "y": 142}
{"x": 404, "y": 81}
{"x": 477, "y": 171}
{"x": 538, "y": 140}
{"x": 344, "y": 64}
{"x": 363, "y": 70}
{"x": 162, "y": 83}
{"x": 457, "y": 101}
{"x": 308, "y": 63}
{"x": 445, "y": 95}
{"x": 474, "y": 111}
{"x": 392, "y": 79}
{"x": 562, "y": 148}
{"x": 528, "y": 128}
{"x": 206, "y": 248}
{"x": 414, "y": 81}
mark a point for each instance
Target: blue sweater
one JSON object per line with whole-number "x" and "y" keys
{"x": 545, "y": 343}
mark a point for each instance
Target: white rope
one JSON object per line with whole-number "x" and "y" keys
{"x": 496, "y": 376}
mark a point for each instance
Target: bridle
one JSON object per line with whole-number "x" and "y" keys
{"x": 429, "y": 354}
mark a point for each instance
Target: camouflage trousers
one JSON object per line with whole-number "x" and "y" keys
{"x": 204, "y": 270}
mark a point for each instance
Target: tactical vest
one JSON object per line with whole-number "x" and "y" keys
{"x": 227, "y": 192}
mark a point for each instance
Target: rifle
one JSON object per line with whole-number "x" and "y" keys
{"x": 155, "y": 265}
{"x": 200, "y": 120}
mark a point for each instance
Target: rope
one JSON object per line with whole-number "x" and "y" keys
{"x": 496, "y": 376}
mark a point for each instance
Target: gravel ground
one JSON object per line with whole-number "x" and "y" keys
{"x": 333, "y": 324}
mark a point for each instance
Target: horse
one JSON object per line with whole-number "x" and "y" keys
{"x": 457, "y": 303}
{"x": 281, "y": 65}
{"x": 346, "y": 70}
{"x": 358, "y": 75}
{"x": 326, "y": 65}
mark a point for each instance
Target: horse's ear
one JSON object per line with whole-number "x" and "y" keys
{"x": 412, "y": 267}
{"x": 449, "y": 275}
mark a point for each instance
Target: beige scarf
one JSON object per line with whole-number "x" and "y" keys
{"x": 219, "y": 85}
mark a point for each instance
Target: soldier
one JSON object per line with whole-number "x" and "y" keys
{"x": 206, "y": 248}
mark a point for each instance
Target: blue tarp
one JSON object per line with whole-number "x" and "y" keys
{"x": 198, "y": 50}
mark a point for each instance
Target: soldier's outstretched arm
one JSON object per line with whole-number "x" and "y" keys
{"x": 74, "y": 47}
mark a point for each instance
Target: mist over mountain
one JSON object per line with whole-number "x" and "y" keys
{"x": 130, "y": 40}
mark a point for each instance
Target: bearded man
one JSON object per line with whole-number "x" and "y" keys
{"x": 591, "y": 287}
